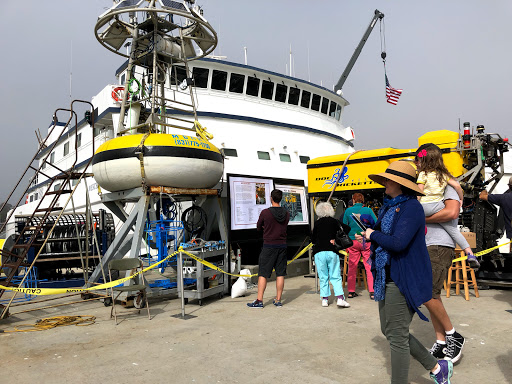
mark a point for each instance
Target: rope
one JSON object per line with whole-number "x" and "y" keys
{"x": 54, "y": 322}
{"x": 382, "y": 28}
{"x": 140, "y": 151}
{"x": 201, "y": 131}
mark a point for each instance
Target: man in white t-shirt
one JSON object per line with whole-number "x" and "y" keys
{"x": 440, "y": 245}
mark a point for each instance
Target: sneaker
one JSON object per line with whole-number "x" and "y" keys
{"x": 438, "y": 350}
{"x": 443, "y": 377}
{"x": 473, "y": 261}
{"x": 277, "y": 303}
{"x": 255, "y": 304}
{"x": 342, "y": 303}
{"x": 325, "y": 303}
{"x": 454, "y": 344}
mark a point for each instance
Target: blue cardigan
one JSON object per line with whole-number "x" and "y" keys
{"x": 410, "y": 267}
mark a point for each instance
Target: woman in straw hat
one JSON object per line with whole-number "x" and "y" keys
{"x": 402, "y": 271}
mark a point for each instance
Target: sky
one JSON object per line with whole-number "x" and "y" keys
{"x": 451, "y": 58}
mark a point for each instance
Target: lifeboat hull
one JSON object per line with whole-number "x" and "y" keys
{"x": 167, "y": 160}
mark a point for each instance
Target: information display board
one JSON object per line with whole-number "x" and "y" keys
{"x": 294, "y": 201}
{"x": 248, "y": 197}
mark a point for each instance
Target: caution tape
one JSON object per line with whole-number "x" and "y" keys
{"x": 212, "y": 266}
{"x": 57, "y": 291}
{"x": 481, "y": 253}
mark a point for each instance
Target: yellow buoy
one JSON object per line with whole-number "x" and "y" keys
{"x": 162, "y": 159}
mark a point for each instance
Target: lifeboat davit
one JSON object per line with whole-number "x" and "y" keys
{"x": 167, "y": 160}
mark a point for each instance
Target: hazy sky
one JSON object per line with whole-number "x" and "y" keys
{"x": 452, "y": 59}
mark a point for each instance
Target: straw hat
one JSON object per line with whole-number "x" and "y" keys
{"x": 401, "y": 172}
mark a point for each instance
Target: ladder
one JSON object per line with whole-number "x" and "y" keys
{"x": 59, "y": 185}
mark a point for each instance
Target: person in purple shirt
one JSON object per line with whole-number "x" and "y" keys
{"x": 273, "y": 221}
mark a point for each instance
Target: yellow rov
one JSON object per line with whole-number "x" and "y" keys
{"x": 469, "y": 157}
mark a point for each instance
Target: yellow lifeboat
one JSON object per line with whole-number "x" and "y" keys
{"x": 163, "y": 159}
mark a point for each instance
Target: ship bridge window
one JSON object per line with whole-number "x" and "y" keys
{"x": 36, "y": 196}
{"x": 325, "y": 106}
{"x": 78, "y": 140}
{"x": 52, "y": 157}
{"x": 200, "y": 76}
{"x": 66, "y": 148}
{"x": 304, "y": 159}
{"x": 267, "y": 90}
{"x": 306, "y": 99}
{"x": 253, "y": 86}
{"x": 31, "y": 198}
{"x": 332, "y": 109}
{"x": 123, "y": 77}
{"x": 315, "y": 102}
{"x": 293, "y": 96}
{"x": 230, "y": 152}
{"x": 338, "y": 112}
{"x": 263, "y": 155}
{"x": 281, "y": 90}
{"x": 236, "y": 83}
{"x": 56, "y": 187}
{"x": 219, "y": 80}
{"x": 285, "y": 157}
{"x": 178, "y": 74}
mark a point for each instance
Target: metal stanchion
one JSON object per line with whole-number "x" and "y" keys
{"x": 181, "y": 289}
{"x": 182, "y": 285}
{"x": 316, "y": 279}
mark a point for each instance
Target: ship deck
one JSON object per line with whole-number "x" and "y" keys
{"x": 226, "y": 342}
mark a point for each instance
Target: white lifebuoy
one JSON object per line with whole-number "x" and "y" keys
{"x": 117, "y": 94}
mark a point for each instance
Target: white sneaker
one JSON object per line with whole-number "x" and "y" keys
{"x": 342, "y": 303}
{"x": 325, "y": 303}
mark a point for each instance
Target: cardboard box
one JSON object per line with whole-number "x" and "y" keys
{"x": 471, "y": 239}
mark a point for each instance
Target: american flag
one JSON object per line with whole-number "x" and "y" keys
{"x": 392, "y": 94}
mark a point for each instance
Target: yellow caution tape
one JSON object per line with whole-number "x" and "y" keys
{"x": 57, "y": 291}
{"x": 481, "y": 253}
{"x": 212, "y": 266}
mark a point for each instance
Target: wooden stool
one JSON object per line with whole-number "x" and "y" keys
{"x": 460, "y": 267}
{"x": 361, "y": 272}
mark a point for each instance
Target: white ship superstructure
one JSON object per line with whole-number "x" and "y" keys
{"x": 267, "y": 124}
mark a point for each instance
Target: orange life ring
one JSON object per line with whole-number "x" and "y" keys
{"x": 117, "y": 94}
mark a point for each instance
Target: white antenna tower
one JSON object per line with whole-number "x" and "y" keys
{"x": 309, "y": 74}
{"x": 71, "y": 73}
{"x": 291, "y": 69}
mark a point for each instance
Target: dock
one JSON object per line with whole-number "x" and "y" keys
{"x": 224, "y": 341}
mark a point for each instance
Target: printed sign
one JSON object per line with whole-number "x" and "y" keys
{"x": 294, "y": 200}
{"x": 248, "y": 197}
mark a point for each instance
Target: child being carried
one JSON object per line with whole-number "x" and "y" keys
{"x": 433, "y": 178}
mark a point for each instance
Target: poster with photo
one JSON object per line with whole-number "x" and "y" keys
{"x": 248, "y": 197}
{"x": 294, "y": 200}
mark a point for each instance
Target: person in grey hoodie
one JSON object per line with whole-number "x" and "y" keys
{"x": 273, "y": 221}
